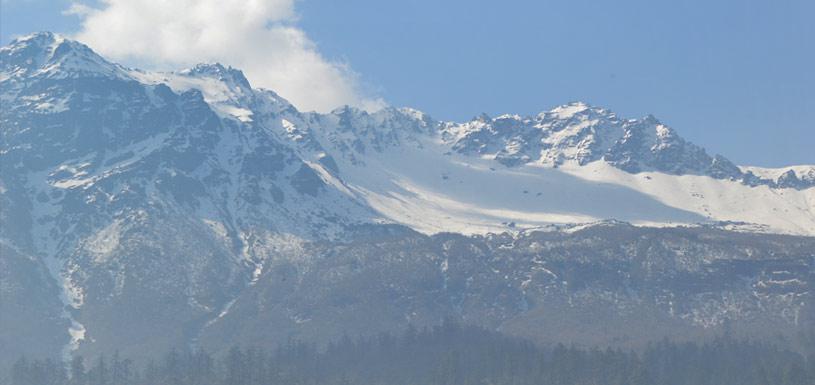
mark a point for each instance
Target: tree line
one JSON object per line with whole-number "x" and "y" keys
{"x": 446, "y": 354}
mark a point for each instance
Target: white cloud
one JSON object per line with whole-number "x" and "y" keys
{"x": 257, "y": 36}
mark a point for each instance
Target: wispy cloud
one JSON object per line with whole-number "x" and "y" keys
{"x": 257, "y": 36}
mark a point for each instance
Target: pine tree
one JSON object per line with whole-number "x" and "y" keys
{"x": 99, "y": 374}
{"x": 77, "y": 371}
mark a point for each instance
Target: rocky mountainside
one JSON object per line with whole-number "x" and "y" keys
{"x": 143, "y": 210}
{"x": 609, "y": 284}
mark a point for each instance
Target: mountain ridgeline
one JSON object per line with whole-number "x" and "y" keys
{"x": 142, "y": 211}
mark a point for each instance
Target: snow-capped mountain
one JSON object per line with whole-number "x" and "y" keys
{"x": 573, "y": 164}
{"x": 146, "y": 198}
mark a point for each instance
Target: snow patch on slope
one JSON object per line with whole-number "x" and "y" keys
{"x": 785, "y": 210}
{"x": 432, "y": 190}
{"x": 103, "y": 243}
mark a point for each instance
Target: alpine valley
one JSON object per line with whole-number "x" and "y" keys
{"x": 141, "y": 211}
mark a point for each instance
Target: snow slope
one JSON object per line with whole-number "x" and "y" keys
{"x": 432, "y": 189}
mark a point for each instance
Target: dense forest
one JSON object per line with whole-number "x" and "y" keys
{"x": 446, "y": 354}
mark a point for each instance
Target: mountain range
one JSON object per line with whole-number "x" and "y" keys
{"x": 144, "y": 210}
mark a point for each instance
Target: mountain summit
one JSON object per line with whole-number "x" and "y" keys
{"x": 46, "y": 54}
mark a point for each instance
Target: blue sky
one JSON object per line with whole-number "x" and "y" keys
{"x": 737, "y": 77}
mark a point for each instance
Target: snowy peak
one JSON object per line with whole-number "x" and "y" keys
{"x": 354, "y": 131}
{"x": 29, "y": 52}
{"x": 228, "y": 75}
{"x": 574, "y": 132}
{"x": 570, "y": 110}
{"x": 50, "y": 55}
{"x": 796, "y": 177}
{"x": 225, "y": 89}
{"x": 579, "y": 133}
{"x": 647, "y": 144}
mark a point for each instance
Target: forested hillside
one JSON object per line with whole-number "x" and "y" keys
{"x": 447, "y": 354}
